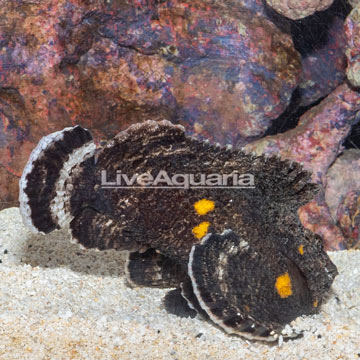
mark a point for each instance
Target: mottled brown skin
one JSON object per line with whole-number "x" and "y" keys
{"x": 254, "y": 235}
{"x": 241, "y": 277}
{"x": 151, "y": 268}
{"x": 164, "y": 218}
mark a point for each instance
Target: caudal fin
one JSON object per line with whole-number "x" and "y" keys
{"x": 42, "y": 193}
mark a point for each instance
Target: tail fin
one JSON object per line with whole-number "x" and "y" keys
{"x": 42, "y": 192}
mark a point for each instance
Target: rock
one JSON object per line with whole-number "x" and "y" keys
{"x": 316, "y": 217}
{"x": 218, "y": 68}
{"x": 342, "y": 177}
{"x": 352, "y": 30}
{"x": 298, "y": 9}
{"x": 316, "y": 142}
{"x": 348, "y": 218}
{"x": 342, "y": 194}
{"x": 212, "y": 67}
{"x": 256, "y": 6}
{"x": 317, "y": 139}
{"x": 324, "y": 67}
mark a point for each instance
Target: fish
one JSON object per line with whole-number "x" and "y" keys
{"x": 217, "y": 225}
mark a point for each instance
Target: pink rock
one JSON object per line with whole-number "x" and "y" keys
{"x": 220, "y": 68}
{"x": 316, "y": 142}
{"x": 342, "y": 194}
{"x": 298, "y": 9}
{"x": 348, "y": 218}
{"x": 352, "y": 30}
{"x": 315, "y": 216}
{"x": 324, "y": 68}
{"x": 317, "y": 139}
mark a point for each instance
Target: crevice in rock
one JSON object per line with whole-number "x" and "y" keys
{"x": 289, "y": 119}
{"x": 142, "y": 52}
{"x": 353, "y": 139}
{"x": 311, "y": 33}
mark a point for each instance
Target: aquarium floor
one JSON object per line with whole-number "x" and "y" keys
{"x": 58, "y": 301}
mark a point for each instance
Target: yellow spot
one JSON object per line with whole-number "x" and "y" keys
{"x": 247, "y": 308}
{"x": 201, "y": 230}
{"x": 301, "y": 249}
{"x": 315, "y": 304}
{"x": 204, "y": 206}
{"x": 283, "y": 285}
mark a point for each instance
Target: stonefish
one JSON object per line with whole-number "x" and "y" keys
{"x": 218, "y": 225}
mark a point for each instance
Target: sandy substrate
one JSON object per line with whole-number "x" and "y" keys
{"x": 60, "y": 302}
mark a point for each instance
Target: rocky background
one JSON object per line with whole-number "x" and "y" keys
{"x": 278, "y": 77}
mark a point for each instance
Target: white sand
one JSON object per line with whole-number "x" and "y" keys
{"x": 60, "y": 302}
